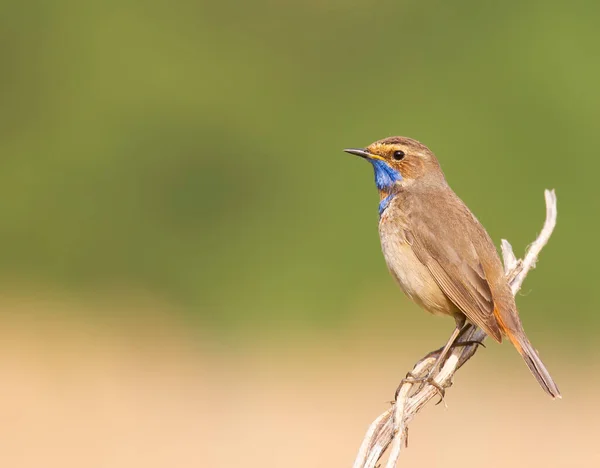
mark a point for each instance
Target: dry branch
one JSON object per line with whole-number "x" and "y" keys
{"x": 391, "y": 427}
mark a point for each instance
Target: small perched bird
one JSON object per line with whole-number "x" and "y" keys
{"x": 439, "y": 253}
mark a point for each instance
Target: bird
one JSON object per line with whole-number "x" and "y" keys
{"x": 438, "y": 251}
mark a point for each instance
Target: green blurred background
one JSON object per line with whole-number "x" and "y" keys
{"x": 191, "y": 152}
{"x": 188, "y": 254}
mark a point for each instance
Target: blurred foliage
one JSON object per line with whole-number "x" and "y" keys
{"x": 193, "y": 150}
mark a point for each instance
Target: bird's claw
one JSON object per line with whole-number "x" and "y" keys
{"x": 411, "y": 378}
{"x": 437, "y": 352}
{"x": 468, "y": 343}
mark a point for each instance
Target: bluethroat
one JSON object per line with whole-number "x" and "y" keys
{"x": 439, "y": 253}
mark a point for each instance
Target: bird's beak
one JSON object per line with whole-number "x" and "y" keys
{"x": 363, "y": 153}
{"x": 358, "y": 152}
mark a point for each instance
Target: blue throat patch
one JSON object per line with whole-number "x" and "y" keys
{"x": 383, "y": 204}
{"x": 385, "y": 176}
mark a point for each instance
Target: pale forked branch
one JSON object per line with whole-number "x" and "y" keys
{"x": 391, "y": 427}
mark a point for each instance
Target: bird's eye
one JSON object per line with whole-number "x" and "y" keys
{"x": 398, "y": 155}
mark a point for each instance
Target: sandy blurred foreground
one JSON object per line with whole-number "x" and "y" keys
{"x": 82, "y": 395}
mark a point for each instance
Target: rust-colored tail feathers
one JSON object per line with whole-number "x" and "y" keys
{"x": 533, "y": 361}
{"x": 512, "y": 328}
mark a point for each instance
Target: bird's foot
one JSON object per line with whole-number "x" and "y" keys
{"x": 437, "y": 352}
{"x": 412, "y": 379}
{"x": 468, "y": 343}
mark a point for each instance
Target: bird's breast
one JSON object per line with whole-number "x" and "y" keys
{"x": 413, "y": 277}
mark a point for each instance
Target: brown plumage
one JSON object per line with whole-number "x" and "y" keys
{"x": 437, "y": 250}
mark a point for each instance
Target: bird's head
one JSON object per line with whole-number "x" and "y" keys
{"x": 398, "y": 161}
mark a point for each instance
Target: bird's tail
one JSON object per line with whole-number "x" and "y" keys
{"x": 533, "y": 361}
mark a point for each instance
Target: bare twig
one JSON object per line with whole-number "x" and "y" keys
{"x": 391, "y": 427}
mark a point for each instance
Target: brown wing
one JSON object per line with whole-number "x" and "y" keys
{"x": 440, "y": 239}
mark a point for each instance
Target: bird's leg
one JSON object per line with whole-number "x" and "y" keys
{"x": 460, "y": 325}
{"x": 457, "y": 343}
{"x": 464, "y": 330}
